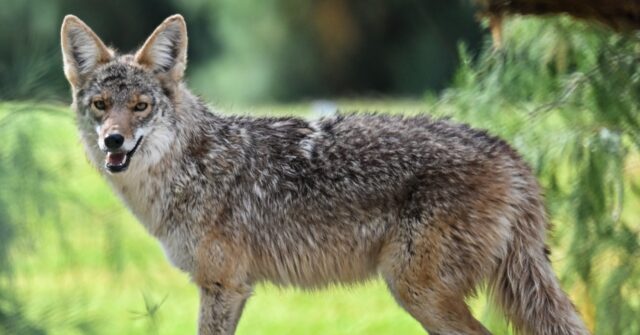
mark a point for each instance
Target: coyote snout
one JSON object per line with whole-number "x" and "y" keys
{"x": 117, "y": 138}
{"x": 118, "y": 156}
{"x": 119, "y": 132}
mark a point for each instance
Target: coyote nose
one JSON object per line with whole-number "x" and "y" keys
{"x": 114, "y": 141}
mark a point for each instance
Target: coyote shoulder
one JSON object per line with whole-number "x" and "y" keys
{"x": 433, "y": 207}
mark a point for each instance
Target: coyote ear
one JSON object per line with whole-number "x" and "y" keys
{"x": 82, "y": 50}
{"x": 165, "y": 51}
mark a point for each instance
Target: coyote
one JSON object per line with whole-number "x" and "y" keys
{"x": 433, "y": 207}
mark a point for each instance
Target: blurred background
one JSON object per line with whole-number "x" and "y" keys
{"x": 248, "y": 52}
{"x": 563, "y": 89}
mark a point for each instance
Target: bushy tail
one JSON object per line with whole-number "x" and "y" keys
{"x": 527, "y": 288}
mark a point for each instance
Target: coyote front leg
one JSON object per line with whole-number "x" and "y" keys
{"x": 221, "y": 276}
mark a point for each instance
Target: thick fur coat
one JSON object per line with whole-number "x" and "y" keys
{"x": 433, "y": 207}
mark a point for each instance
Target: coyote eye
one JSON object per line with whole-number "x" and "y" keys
{"x": 99, "y": 104}
{"x": 140, "y": 106}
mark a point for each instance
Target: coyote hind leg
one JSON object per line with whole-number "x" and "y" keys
{"x": 440, "y": 312}
{"x": 430, "y": 273}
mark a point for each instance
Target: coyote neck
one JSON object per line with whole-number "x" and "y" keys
{"x": 143, "y": 188}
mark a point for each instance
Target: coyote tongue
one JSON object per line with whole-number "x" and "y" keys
{"x": 116, "y": 158}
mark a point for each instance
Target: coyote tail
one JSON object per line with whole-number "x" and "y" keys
{"x": 526, "y": 287}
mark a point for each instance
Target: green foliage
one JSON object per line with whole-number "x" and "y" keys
{"x": 253, "y": 51}
{"x": 30, "y": 57}
{"x": 23, "y": 200}
{"x": 26, "y": 56}
{"x": 31, "y": 193}
{"x": 567, "y": 95}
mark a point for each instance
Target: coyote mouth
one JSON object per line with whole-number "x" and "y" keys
{"x": 119, "y": 161}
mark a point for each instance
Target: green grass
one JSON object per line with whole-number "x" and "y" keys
{"x": 88, "y": 267}
{"x": 91, "y": 267}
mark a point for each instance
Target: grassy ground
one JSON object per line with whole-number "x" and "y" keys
{"x": 89, "y": 268}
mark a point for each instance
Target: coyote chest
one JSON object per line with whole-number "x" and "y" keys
{"x": 178, "y": 250}
{"x": 151, "y": 203}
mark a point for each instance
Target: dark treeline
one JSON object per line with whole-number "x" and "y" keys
{"x": 248, "y": 51}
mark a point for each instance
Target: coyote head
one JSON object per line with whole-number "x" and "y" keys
{"x": 127, "y": 99}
